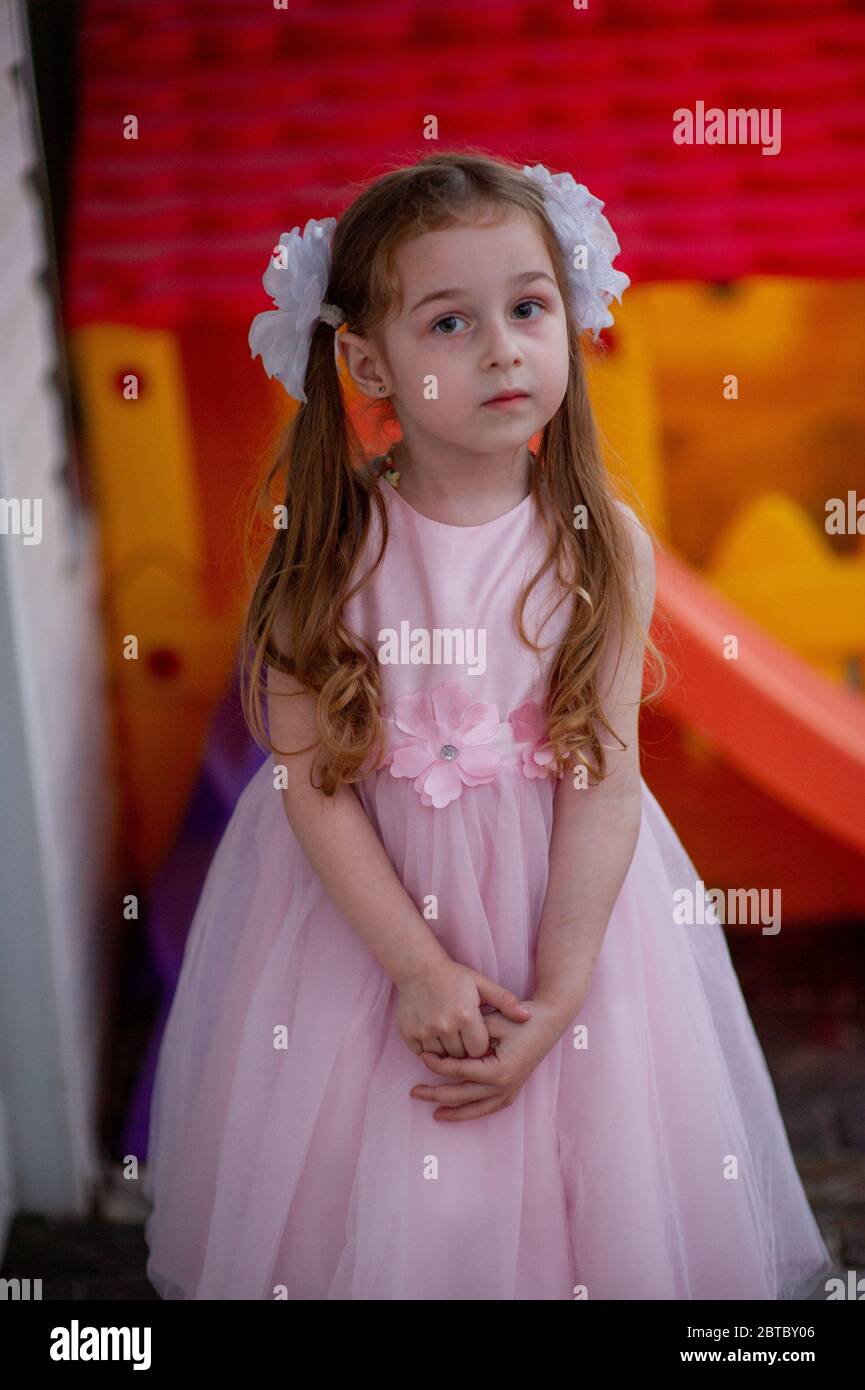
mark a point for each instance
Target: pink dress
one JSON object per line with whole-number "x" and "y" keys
{"x": 287, "y": 1158}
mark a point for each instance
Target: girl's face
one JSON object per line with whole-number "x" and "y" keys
{"x": 481, "y": 314}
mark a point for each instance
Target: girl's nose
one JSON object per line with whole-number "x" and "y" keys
{"x": 501, "y": 347}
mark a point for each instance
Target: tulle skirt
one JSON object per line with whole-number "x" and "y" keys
{"x": 644, "y": 1158}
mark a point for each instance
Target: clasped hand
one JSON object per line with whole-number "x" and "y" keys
{"x": 481, "y": 1085}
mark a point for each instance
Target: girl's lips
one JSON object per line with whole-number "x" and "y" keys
{"x": 501, "y": 401}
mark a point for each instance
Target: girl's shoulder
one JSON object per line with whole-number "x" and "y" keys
{"x": 643, "y": 568}
{"x": 629, "y": 514}
{"x": 370, "y": 475}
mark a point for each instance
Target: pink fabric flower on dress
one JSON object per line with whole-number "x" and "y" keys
{"x": 444, "y": 748}
{"x": 529, "y": 728}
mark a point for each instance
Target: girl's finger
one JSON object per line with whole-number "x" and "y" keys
{"x": 454, "y": 1095}
{"x": 482, "y": 1069}
{"x": 471, "y": 1112}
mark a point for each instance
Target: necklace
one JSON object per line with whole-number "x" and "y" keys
{"x": 390, "y": 473}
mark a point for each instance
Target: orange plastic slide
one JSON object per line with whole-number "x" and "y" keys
{"x": 792, "y": 732}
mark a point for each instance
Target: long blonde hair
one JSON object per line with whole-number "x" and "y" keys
{"x": 320, "y": 474}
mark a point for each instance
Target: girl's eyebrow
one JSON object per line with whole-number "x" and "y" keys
{"x": 454, "y": 293}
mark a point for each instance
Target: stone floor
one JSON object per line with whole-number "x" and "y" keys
{"x": 806, "y": 996}
{"x": 809, "y": 1013}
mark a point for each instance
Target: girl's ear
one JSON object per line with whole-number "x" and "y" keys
{"x": 364, "y": 366}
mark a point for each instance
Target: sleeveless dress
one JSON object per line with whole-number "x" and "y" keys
{"x": 287, "y": 1158}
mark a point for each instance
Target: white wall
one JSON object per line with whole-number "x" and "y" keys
{"x": 55, "y": 809}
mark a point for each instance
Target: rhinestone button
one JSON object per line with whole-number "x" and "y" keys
{"x": 448, "y": 751}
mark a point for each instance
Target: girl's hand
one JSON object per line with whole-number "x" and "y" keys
{"x": 479, "y": 1086}
{"x": 439, "y": 1010}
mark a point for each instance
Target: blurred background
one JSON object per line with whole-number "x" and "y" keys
{"x": 151, "y": 156}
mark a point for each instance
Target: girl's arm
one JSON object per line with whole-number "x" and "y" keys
{"x": 439, "y": 998}
{"x": 342, "y": 846}
{"x": 595, "y": 829}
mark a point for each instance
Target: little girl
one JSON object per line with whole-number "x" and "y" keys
{"x": 440, "y": 1032}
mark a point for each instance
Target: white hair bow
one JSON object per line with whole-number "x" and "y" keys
{"x": 589, "y": 243}
{"x": 296, "y": 280}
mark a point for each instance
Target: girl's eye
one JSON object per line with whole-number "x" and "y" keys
{"x": 451, "y": 318}
{"x": 536, "y": 302}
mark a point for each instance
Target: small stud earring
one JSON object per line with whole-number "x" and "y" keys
{"x": 381, "y": 388}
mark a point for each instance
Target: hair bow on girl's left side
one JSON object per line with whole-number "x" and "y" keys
{"x": 296, "y": 280}
{"x": 579, "y": 223}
